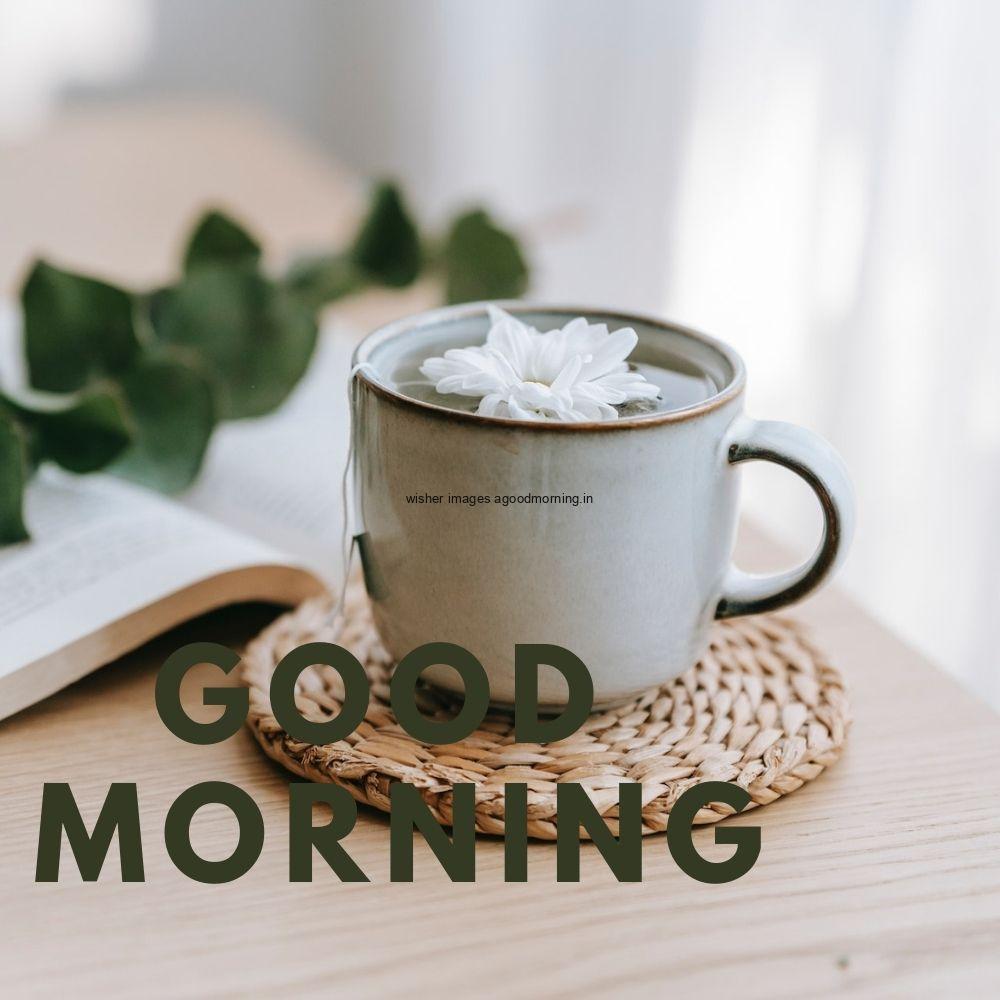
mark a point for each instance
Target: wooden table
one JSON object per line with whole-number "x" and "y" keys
{"x": 881, "y": 877}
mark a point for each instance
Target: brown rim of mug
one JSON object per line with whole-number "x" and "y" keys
{"x": 431, "y": 317}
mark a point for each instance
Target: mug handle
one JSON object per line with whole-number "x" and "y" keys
{"x": 812, "y": 458}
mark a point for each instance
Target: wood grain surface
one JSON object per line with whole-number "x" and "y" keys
{"x": 880, "y": 878}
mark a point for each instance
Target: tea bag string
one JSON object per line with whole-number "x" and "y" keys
{"x": 348, "y": 538}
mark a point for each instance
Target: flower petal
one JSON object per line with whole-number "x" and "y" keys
{"x": 610, "y": 355}
{"x": 491, "y": 404}
{"x": 510, "y": 338}
{"x": 570, "y": 371}
{"x": 469, "y": 385}
{"x": 633, "y": 384}
{"x": 520, "y": 413}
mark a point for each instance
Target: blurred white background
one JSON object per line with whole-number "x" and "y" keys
{"x": 817, "y": 183}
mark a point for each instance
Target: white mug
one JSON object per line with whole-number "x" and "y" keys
{"x": 629, "y": 581}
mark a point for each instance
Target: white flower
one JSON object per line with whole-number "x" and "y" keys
{"x": 576, "y": 373}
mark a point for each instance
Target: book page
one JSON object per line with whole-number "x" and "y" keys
{"x": 102, "y": 551}
{"x": 279, "y": 478}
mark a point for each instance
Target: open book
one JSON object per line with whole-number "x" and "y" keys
{"x": 110, "y": 565}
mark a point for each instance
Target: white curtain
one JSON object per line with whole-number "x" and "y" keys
{"x": 839, "y": 220}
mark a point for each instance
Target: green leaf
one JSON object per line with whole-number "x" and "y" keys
{"x": 83, "y": 436}
{"x": 173, "y": 412}
{"x": 13, "y": 477}
{"x": 76, "y": 328}
{"x": 387, "y": 247}
{"x": 253, "y": 338}
{"x": 217, "y": 239}
{"x": 324, "y": 278}
{"x": 482, "y": 261}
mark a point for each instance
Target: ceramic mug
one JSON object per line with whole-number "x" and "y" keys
{"x": 631, "y": 581}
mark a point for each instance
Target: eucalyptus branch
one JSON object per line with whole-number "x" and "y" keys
{"x": 134, "y": 382}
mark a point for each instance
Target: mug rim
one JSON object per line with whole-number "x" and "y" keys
{"x": 431, "y": 317}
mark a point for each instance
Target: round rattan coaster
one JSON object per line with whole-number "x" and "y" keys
{"x": 763, "y": 708}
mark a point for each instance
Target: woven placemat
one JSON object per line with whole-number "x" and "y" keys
{"x": 763, "y": 708}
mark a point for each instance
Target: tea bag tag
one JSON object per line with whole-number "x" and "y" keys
{"x": 352, "y": 533}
